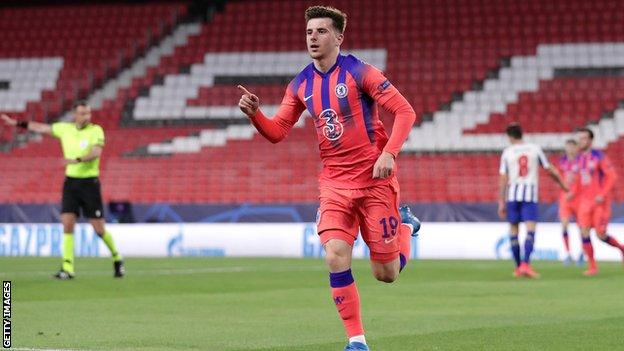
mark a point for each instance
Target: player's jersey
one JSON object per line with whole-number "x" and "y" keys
{"x": 520, "y": 162}
{"x": 342, "y": 102}
{"x": 596, "y": 175}
{"x": 78, "y": 143}
{"x": 568, "y": 168}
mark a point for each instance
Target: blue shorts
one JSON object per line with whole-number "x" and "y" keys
{"x": 521, "y": 211}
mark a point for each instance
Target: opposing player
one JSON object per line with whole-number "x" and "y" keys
{"x": 593, "y": 191}
{"x": 82, "y": 143}
{"x": 358, "y": 185}
{"x": 518, "y": 193}
{"x": 568, "y": 168}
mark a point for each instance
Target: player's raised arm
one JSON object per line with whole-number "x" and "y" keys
{"x": 275, "y": 129}
{"x": 36, "y": 127}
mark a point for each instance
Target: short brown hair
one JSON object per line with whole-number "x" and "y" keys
{"x": 339, "y": 18}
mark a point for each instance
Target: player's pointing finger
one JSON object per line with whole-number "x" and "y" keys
{"x": 244, "y": 91}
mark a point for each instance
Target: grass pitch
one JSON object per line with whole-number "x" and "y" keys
{"x": 284, "y": 304}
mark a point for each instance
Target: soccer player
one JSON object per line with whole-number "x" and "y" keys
{"x": 82, "y": 143}
{"x": 518, "y": 193}
{"x": 568, "y": 168}
{"x": 593, "y": 191}
{"x": 358, "y": 184}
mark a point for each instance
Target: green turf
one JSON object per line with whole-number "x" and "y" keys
{"x": 284, "y": 304}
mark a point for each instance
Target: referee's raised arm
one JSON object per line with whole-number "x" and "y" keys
{"x": 36, "y": 127}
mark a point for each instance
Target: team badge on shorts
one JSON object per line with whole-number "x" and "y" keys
{"x": 341, "y": 90}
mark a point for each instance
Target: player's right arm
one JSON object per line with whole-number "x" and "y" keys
{"x": 36, "y": 127}
{"x": 502, "y": 187}
{"x": 273, "y": 129}
{"x": 552, "y": 171}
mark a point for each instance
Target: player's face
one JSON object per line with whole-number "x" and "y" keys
{"x": 322, "y": 38}
{"x": 583, "y": 140}
{"x": 82, "y": 115}
{"x": 571, "y": 149}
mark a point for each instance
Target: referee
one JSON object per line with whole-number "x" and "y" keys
{"x": 82, "y": 143}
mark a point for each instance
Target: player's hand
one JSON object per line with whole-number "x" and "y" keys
{"x": 8, "y": 120}
{"x": 565, "y": 188}
{"x": 502, "y": 210}
{"x": 248, "y": 102}
{"x": 569, "y": 196}
{"x": 384, "y": 166}
{"x": 599, "y": 199}
{"x": 70, "y": 161}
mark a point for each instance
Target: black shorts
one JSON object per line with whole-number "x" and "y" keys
{"x": 85, "y": 194}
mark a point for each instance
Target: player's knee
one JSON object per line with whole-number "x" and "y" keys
{"x": 602, "y": 236}
{"x": 386, "y": 277}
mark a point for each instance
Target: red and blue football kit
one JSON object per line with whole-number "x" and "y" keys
{"x": 596, "y": 177}
{"x": 343, "y": 103}
{"x": 568, "y": 168}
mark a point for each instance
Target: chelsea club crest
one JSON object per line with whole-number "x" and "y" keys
{"x": 341, "y": 90}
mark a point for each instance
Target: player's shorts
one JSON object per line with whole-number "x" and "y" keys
{"x": 567, "y": 209}
{"x": 521, "y": 211}
{"x": 374, "y": 210}
{"x": 82, "y": 194}
{"x": 591, "y": 214}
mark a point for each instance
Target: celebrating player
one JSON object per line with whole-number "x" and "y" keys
{"x": 518, "y": 193}
{"x": 593, "y": 191}
{"x": 568, "y": 168}
{"x": 358, "y": 185}
{"x": 82, "y": 143}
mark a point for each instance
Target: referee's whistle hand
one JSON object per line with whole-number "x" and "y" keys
{"x": 69, "y": 161}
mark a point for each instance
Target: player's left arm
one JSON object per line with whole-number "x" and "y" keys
{"x": 377, "y": 86}
{"x": 609, "y": 178}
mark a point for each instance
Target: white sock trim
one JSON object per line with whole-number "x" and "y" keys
{"x": 358, "y": 338}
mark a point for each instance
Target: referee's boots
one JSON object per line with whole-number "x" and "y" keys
{"x": 120, "y": 270}
{"x": 63, "y": 275}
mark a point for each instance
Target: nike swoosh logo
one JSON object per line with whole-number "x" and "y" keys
{"x": 308, "y": 97}
{"x": 389, "y": 241}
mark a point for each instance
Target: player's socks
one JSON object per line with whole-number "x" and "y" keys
{"x": 108, "y": 240}
{"x": 612, "y": 241}
{"x": 566, "y": 241}
{"x": 347, "y": 300}
{"x": 68, "y": 253}
{"x": 405, "y": 243}
{"x": 358, "y": 338}
{"x": 528, "y": 246}
{"x": 515, "y": 249}
{"x": 588, "y": 249}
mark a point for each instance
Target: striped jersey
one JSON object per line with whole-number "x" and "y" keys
{"x": 343, "y": 103}
{"x": 520, "y": 162}
{"x": 596, "y": 175}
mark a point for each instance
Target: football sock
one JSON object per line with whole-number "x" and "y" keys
{"x": 68, "y": 252}
{"x": 405, "y": 243}
{"x": 347, "y": 300}
{"x": 589, "y": 252}
{"x": 515, "y": 249}
{"x": 566, "y": 241}
{"x": 359, "y": 338}
{"x": 108, "y": 240}
{"x": 612, "y": 241}
{"x": 528, "y": 246}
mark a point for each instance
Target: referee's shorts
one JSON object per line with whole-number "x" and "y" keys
{"x": 82, "y": 194}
